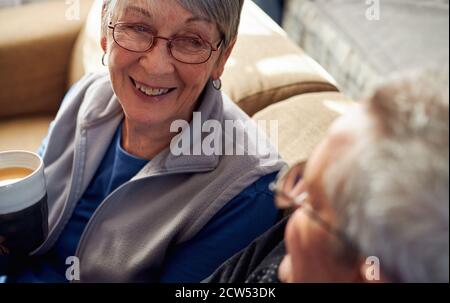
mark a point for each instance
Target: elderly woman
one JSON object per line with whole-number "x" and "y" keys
{"x": 371, "y": 204}
{"x": 120, "y": 200}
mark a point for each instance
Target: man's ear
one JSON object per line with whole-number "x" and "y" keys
{"x": 220, "y": 67}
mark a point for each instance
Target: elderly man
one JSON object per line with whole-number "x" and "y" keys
{"x": 372, "y": 203}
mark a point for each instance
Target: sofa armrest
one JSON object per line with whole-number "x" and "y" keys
{"x": 35, "y": 48}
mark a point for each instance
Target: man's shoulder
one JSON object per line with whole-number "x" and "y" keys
{"x": 256, "y": 261}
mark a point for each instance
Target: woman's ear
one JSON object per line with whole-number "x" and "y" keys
{"x": 103, "y": 43}
{"x": 220, "y": 65}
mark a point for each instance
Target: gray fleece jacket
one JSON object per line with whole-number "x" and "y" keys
{"x": 167, "y": 203}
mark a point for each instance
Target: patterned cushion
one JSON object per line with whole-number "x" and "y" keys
{"x": 302, "y": 122}
{"x": 359, "y": 52}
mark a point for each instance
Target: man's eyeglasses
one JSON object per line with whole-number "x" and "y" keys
{"x": 290, "y": 194}
{"x": 140, "y": 39}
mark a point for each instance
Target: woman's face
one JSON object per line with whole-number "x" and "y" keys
{"x": 172, "y": 87}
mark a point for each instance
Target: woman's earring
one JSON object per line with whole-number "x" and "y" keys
{"x": 217, "y": 84}
{"x": 103, "y": 59}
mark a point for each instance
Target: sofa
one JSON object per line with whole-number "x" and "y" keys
{"x": 391, "y": 36}
{"x": 42, "y": 53}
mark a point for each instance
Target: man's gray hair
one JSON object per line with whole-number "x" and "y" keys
{"x": 225, "y": 13}
{"x": 391, "y": 190}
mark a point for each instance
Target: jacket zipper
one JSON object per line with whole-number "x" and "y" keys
{"x": 73, "y": 187}
{"x": 97, "y": 212}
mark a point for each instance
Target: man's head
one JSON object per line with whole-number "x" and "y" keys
{"x": 380, "y": 179}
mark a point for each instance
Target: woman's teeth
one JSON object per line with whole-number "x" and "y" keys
{"x": 152, "y": 91}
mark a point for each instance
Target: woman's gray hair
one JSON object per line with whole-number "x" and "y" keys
{"x": 391, "y": 190}
{"x": 225, "y": 13}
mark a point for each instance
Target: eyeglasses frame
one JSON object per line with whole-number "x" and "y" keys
{"x": 169, "y": 43}
{"x": 300, "y": 201}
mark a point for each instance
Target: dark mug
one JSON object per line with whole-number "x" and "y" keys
{"x": 23, "y": 205}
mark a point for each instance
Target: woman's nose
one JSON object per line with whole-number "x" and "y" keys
{"x": 158, "y": 58}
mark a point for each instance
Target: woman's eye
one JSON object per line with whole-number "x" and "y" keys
{"x": 194, "y": 42}
{"x": 140, "y": 28}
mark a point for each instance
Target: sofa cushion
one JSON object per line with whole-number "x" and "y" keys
{"x": 87, "y": 53}
{"x": 25, "y": 133}
{"x": 303, "y": 121}
{"x": 36, "y": 42}
{"x": 265, "y": 66}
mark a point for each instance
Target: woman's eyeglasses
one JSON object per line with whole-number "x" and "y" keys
{"x": 140, "y": 39}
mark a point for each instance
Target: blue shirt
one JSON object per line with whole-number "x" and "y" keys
{"x": 243, "y": 219}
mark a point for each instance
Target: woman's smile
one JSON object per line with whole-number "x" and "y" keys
{"x": 151, "y": 92}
